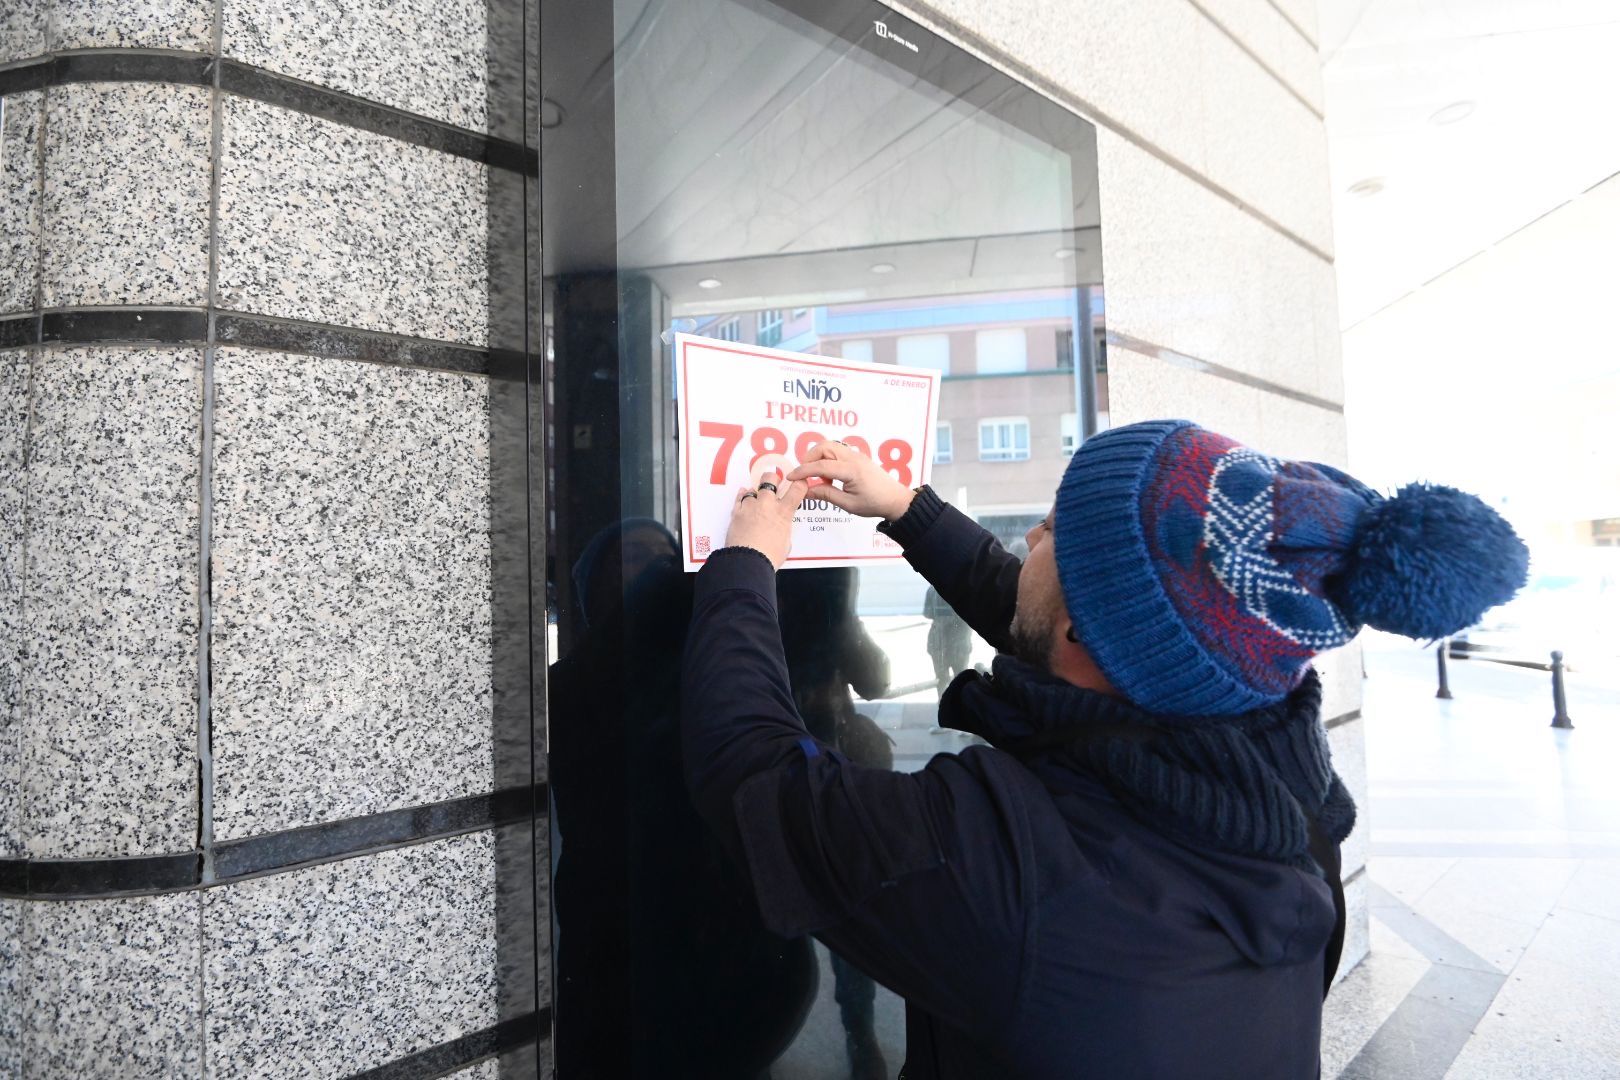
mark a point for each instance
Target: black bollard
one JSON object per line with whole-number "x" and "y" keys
{"x": 1560, "y": 706}
{"x": 1440, "y": 650}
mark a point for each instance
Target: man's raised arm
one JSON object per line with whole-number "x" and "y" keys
{"x": 959, "y": 557}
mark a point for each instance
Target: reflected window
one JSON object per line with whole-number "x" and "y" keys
{"x": 1004, "y": 438}
{"x": 1001, "y": 352}
{"x": 942, "y": 444}
{"x": 729, "y": 330}
{"x": 925, "y": 350}
{"x": 857, "y": 349}
{"x": 770, "y": 327}
{"x": 1071, "y": 433}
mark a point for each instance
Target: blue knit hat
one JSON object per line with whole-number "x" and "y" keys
{"x": 1202, "y": 577}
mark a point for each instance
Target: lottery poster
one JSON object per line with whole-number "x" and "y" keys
{"x": 746, "y": 412}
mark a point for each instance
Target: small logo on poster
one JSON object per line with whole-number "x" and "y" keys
{"x": 884, "y": 32}
{"x": 702, "y": 544}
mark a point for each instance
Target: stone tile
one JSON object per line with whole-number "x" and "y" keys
{"x": 1295, "y": 429}
{"x": 112, "y": 981}
{"x": 1594, "y": 889}
{"x": 22, "y": 29}
{"x": 338, "y": 968}
{"x": 14, "y": 370}
{"x": 1341, "y": 680}
{"x": 488, "y": 1069}
{"x": 1350, "y": 760}
{"x": 1303, "y": 15}
{"x": 423, "y": 56}
{"x": 1384, "y": 941}
{"x": 1408, "y": 877}
{"x": 126, "y": 194}
{"x": 1361, "y": 1002}
{"x": 351, "y": 590}
{"x": 109, "y": 683}
{"x": 1147, "y": 388}
{"x": 1264, "y": 146}
{"x": 1262, "y": 29}
{"x": 1208, "y": 110}
{"x": 19, "y": 201}
{"x": 323, "y": 222}
{"x": 1555, "y": 1016}
{"x": 11, "y": 974}
{"x": 1110, "y": 53}
{"x": 1356, "y": 931}
{"x": 1495, "y": 905}
{"x": 132, "y": 24}
{"x": 1189, "y": 271}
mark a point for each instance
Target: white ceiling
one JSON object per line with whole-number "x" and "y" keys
{"x": 1544, "y": 79}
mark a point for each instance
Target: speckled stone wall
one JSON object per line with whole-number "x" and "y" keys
{"x": 267, "y": 798}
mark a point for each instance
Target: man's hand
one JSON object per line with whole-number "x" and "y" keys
{"x": 762, "y": 519}
{"x": 868, "y": 491}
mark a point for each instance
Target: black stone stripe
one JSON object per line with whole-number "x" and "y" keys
{"x": 1208, "y": 367}
{"x": 270, "y": 853}
{"x": 20, "y": 331}
{"x": 287, "y": 93}
{"x": 345, "y": 343}
{"x": 244, "y": 80}
{"x": 468, "y": 1050}
{"x": 115, "y": 65}
{"x": 1353, "y": 714}
{"x": 165, "y": 326}
{"x": 339, "y": 839}
{"x": 189, "y": 326}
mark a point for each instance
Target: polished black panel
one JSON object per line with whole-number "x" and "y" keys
{"x": 823, "y": 177}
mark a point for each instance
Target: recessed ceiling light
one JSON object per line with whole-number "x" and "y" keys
{"x": 1372, "y": 185}
{"x": 882, "y": 268}
{"x": 1066, "y": 252}
{"x": 709, "y": 283}
{"x": 1457, "y": 110}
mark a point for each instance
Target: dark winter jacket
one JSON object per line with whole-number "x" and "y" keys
{"x": 1036, "y": 925}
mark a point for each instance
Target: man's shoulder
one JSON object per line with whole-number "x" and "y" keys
{"x": 987, "y": 786}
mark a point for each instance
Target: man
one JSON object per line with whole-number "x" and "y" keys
{"x": 1123, "y": 884}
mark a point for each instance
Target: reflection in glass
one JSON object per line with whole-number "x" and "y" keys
{"x": 734, "y": 169}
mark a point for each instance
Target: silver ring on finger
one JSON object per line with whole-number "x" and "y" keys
{"x": 749, "y": 495}
{"x": 766, "y": 485}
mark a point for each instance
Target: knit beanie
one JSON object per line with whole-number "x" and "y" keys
{"x": 1202, "y": 576}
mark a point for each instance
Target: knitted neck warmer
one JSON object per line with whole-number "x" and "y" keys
{"x": 1241, "y": 784}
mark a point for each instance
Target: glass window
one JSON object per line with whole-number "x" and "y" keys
{"x": 925, "y": 350}
{"x": 856, "y": 349}
{"x": 1004, "y": 438}
{"x": 1070, "y": 433}
{"x": 770, "y": 327}
{"x": 1064, "y": 348}
{"x": 1001, "y": 352}
{"x": 908, "y": 204}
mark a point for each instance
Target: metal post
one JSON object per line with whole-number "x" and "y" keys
{"x": 1440, "y": 650}
{"x": 1560, "y": 706}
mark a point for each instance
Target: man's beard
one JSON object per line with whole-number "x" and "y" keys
{"x": 1032, "y": 646}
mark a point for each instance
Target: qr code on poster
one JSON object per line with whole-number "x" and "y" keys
{"x": 701, "y": 544}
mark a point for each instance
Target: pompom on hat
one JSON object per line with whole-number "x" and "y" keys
{"x": 1202, "y": 576}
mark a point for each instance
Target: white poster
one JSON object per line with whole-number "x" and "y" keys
{"x": 747, "y": 412}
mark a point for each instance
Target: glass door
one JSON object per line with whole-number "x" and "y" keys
{"x": 829, "y": 178}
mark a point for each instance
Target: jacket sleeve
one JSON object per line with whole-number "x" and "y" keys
{"x": 921, "y": 879}
{"x": 963, "y": 561}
